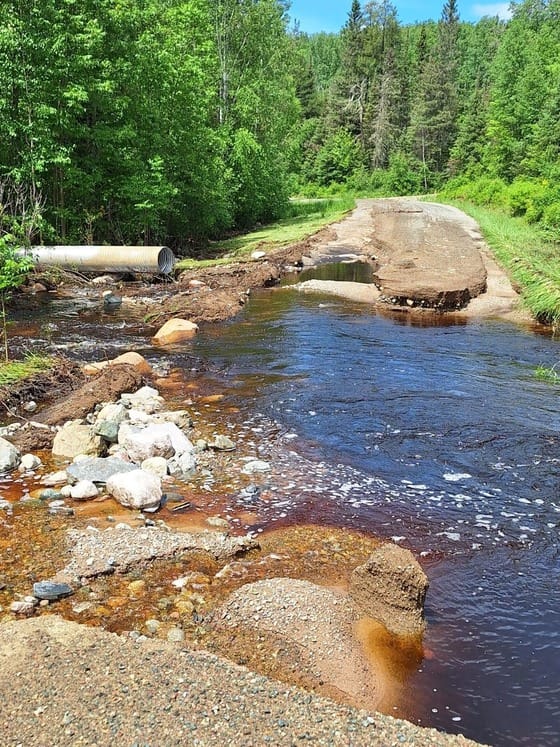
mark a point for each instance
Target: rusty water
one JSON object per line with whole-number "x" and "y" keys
{"x": 439, "y": 437}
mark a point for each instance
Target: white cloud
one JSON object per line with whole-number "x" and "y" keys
{"x": 502, "y": 10}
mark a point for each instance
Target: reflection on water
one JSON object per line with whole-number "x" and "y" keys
{"x": 439, "y": 437}
{"x": 355, "y": 272}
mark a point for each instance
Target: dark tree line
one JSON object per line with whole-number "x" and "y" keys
{"x": 174, "y": 120}
{"x": 472, "y": 107}
{"x": 143, "y": 120}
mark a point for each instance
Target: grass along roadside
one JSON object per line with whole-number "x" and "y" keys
{"x": 303, "y": 219}
{"x": 532, "y": 260}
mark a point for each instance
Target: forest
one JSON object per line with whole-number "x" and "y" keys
{"x": 174, "y": 121}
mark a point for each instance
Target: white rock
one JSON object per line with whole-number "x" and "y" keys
{"x": 256, "y": 465}
{"x": 54, "y": 478}
{"x": 30, "y": 406}
{"x": 258, "y": 255}
{"x": 9, "y": 456}
{"x": 139, "y": 417}
{"x": 30, "y": 461}
{"x": 24, "y": 606}
{"x": 114, "y": 412}
{"x": 146, "y": 443}
{"x": 84, "y": 490}
{"x": 146, "y": 398}
{"x": 138, "y": 489}
{"x": 182, "y": 465}
{"x": 179, "y": 441}
{"x": 76, "y": 438}
{"x": 156, "y": 465}
{"x": 66, "y": 491}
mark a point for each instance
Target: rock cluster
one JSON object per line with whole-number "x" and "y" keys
{"x": 124, "y": 448}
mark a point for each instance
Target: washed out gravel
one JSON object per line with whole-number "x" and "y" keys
{"x": 69, "y": 685}
{"x": 95, "y": 552}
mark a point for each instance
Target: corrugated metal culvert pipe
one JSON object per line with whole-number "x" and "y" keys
{"x": 154, "y": 259}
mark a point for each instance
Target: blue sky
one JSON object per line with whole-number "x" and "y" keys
{"x": 331, "y": 15}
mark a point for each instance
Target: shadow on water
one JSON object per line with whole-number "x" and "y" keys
{"x": 437, "y": 436}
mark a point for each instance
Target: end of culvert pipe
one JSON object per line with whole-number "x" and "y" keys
{"x": 166, "y": 260}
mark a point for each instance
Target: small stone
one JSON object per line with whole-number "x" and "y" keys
{"x": 30, "y": 406}
{"x": 137, "y": 587}
{"x": 51, "y": 590}
{"x": 256, "y": 465}
{"x": 109, "y": 431}
{"x": 50, "y": 495}
{"x": 55, "y": 478}
{"x": 84, "y": 490}
{"x": 218, "y": 522}
{"x": 222, "y": 443}
{"x": 60, "y": 510}
{"x": 29, "y": 462}
{"x": 152, "y": 626}
{"x": 176, "y": 635}
{"x": 23, "y": 606}
{"x": 184, "y": 607}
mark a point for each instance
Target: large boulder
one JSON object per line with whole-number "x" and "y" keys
{"x": 10, "y": 457}
{"x": 76, "y": 438}
{"x": 391, "y": 587}
{"x": 138, "y": 489}
{"x": 175, "y": 330}
{"x": 157, "y": 439}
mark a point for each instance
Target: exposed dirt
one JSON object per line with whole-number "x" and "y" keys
{"x": 427, "y": 258}
{"x": 70, "y": 396}
{"x": 53, "y": 384}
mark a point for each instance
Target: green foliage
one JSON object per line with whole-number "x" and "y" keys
{"x": 403, "y": 177}
{"x": 15, "y": 371}
{"x": 523, "y": 195}
{"x": 337, "y": 159}
{"x": 548, "y": 374}
{"x": 530, "y": 256}
{"x": 482, "y": 191}
{"x": 310, "y": 216}
{"x": 14, "y": 267}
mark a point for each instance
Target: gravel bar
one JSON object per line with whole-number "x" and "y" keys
{"x": 95, "y": 552}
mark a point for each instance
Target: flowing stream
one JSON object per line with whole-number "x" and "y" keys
{"x": 438, "y": 436}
